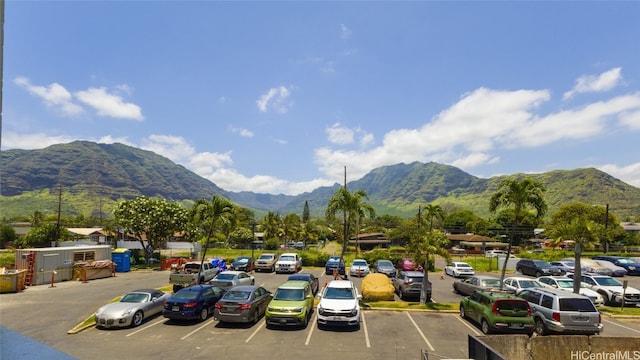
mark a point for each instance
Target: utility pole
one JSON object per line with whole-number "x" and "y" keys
{"x": 59, "y": 210}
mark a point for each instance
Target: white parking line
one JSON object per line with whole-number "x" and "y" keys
{"x": 206, "y": 323}
{"x": 622, "y": 326}
{"x": 466, "y": 323}
{"x": 255, "y": 332}
{"x": 160, "y": 321}
{"x": 431, "y": 348}
{"x": 311, "y": 325}
{"x": 366, "y": 331}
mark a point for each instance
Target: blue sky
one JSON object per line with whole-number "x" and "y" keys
{"x": 280, "y": 97}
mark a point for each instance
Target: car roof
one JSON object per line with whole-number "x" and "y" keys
{"x": 413, "y": 273}
{"x": 558, "y": 292}
{"x": 294, "y": 284}
{"x": 486, "y": 277}
{"x": 233, "y": 272}
{"x": 244, "y": 288}
{"x": 150, "y": 291}
{"x": 498, "y": 294}
{"x": 340, "y": 284}
{"x": 520, "y": 278}
{"x": 459, "y": 262}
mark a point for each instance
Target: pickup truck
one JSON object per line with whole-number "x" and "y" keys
{"x": 188, "y": 275}
{"x": 288, "y": 263}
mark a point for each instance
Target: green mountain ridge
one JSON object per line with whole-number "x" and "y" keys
{"x": 93, "y": 177}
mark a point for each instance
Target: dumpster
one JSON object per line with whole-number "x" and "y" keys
{"x": 12, "y": 280}
{"x": 122, "y": 258}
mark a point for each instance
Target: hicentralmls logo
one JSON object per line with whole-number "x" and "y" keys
{"x": 606, "y": 355}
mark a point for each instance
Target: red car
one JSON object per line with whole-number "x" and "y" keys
{"x": 407, "y": 264}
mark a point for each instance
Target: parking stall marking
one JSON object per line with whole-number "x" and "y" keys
{"x": 206, "y": 323}
{"x": 620, "y": 325}
{"x": 260, "y": 325}
{"x": 311, "y": 325}
{"x": 159, "y": 321}
{"x": 366, "y": 332}
{"x": 431, "y": 348}
{"x": 466, "y": 323}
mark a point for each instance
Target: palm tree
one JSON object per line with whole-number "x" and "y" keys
{"x": 518, "y": 196}
{"x": 353, "y": 208}
{"x": 584, "y": 233}
{"x": 272, "y": 225}
{"x": 210, "y": 215}
{"x": 433, "y": 212}
{"x": 424, "y": 246}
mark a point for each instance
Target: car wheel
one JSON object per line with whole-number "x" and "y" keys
{"x": 306, "y": 321}
{"x": 273, "y": 269}
{"x": 401, "y": 294}
{"x": 462, "y": 312}
{"x": 204, "y": 314}
{"x": 518, "y": 269}
{"x": 538, "y": 274}
{"x": 484, "y": 325}
{"x": 253, "y": 282}
{"x": 606, "y": 299}
{"x": 540, "y": 328}
{"x": 455, "y": 290}
{"x": 137, "y": 318}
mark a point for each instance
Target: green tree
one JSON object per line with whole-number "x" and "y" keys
{"x": 424, "y": 245}
{"x": 7, "y": 235}
{"x": 305, "y": 212}
{"x": 610, "y": 229}
{"x": 151, "y": 218}
{"x": 272, "y": 226}
{"x": 433, "y": 213}
{"x": 42, "y": 236}
{"x": 584, "y": 232}
{"x": 353, "y": 208}
{"x": 519, "y": 196}
{"x": 37, "y": 218}
{"x": 291, "y": 226}
{"x": 210, "y": 216}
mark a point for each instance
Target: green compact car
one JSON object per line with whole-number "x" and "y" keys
{"x": 498, "y": 311}
{"x": 291, "y": 305}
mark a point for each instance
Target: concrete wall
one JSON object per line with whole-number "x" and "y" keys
{"x": 564, "y": 347}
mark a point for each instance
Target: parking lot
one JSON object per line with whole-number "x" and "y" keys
{"x": 46, "y": 314}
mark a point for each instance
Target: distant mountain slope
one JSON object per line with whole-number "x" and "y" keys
{"x": 90, "y": 172}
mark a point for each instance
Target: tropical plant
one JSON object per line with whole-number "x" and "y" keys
{"x": 272, "y": 226}
{"x": 519, "y": 195}
{"x": 353, "y": 208}
{"x": 433, "y": 212}
{"x": 584, "y": 233}
{"x": 151, "y": 218}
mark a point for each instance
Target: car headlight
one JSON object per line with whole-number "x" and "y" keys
{"x": 615, "y": 293}
{"x": 354, "y": 311}
{"x": 269, "y": 308}
{"x": 297, "y": 309}
{"x": 126, "y": 312}
{"x": 320, "y": 310}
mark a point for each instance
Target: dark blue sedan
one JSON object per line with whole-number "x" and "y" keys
{"x": 193, "y": 302}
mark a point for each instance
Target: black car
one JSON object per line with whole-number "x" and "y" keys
{"x": 193, "y": 302}
{"x": 334, "y": 263}
{"x": 243, "y": 263}
{"x": 538, "y": 268}
{"x": 313, "y": 281}
{"x": 632, "y": 267}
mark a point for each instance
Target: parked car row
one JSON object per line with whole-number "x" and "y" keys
{"x": 537, "y": 309}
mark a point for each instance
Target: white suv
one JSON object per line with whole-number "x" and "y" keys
{"x": 339, "y": 304}
{"x": 611, "y": 289}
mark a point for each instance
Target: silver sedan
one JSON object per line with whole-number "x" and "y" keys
{"x": 231, "y": 278}
{"x": 132, "y": 309}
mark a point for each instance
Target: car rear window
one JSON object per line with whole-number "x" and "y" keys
{"x": 415, "y": 279}
{"x": 512, "y": 307}
{"x": 575, "y": 304}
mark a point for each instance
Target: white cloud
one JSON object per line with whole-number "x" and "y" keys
{"x": 13, "y": 140}
{"x": 592, "y": 83}
{"x": 242, "y": 131}
{"x": 111, "y": 105}
{"x": 54, "y": 96}
{"x": 276, "y": 99}
{"x": 629, "y": 174}
{"x": 345, "y": 32}
{"x": 631, "y": 119}
{"x": 337, "y": 134}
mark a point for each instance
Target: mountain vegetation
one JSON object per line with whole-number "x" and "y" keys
{"x": 91, "y": 178}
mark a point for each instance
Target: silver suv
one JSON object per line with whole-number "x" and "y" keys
{"x": 409, "y": 284}
{"x": 558, "y": 311}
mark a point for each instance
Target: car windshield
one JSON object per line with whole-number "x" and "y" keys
{"x": 186, "y": 294}
{"x": 266, "y": 257}
{"x": 529, "y": 284}
{"x": 565, "y": 284}
{"x": 242, "y": 260}
{"x": 488, "y": 283}
{"x": 385, "y": 263}
{"x": 607, "y": 281}
{"x": 625, "y": 261}
{"x": 333, "y": 259}
{"x": 225, "y": 276}
{"x": 289, "y": 294}
{"x": 541, "y": 263}
{"x": 135, "y": 298}
{"x": 236, "y": 295}
{"x": 359, "y": 263}
{"x": 415, "y": 279}
{"x": 339, "y": 293}
{"x": 287, "y": 258}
